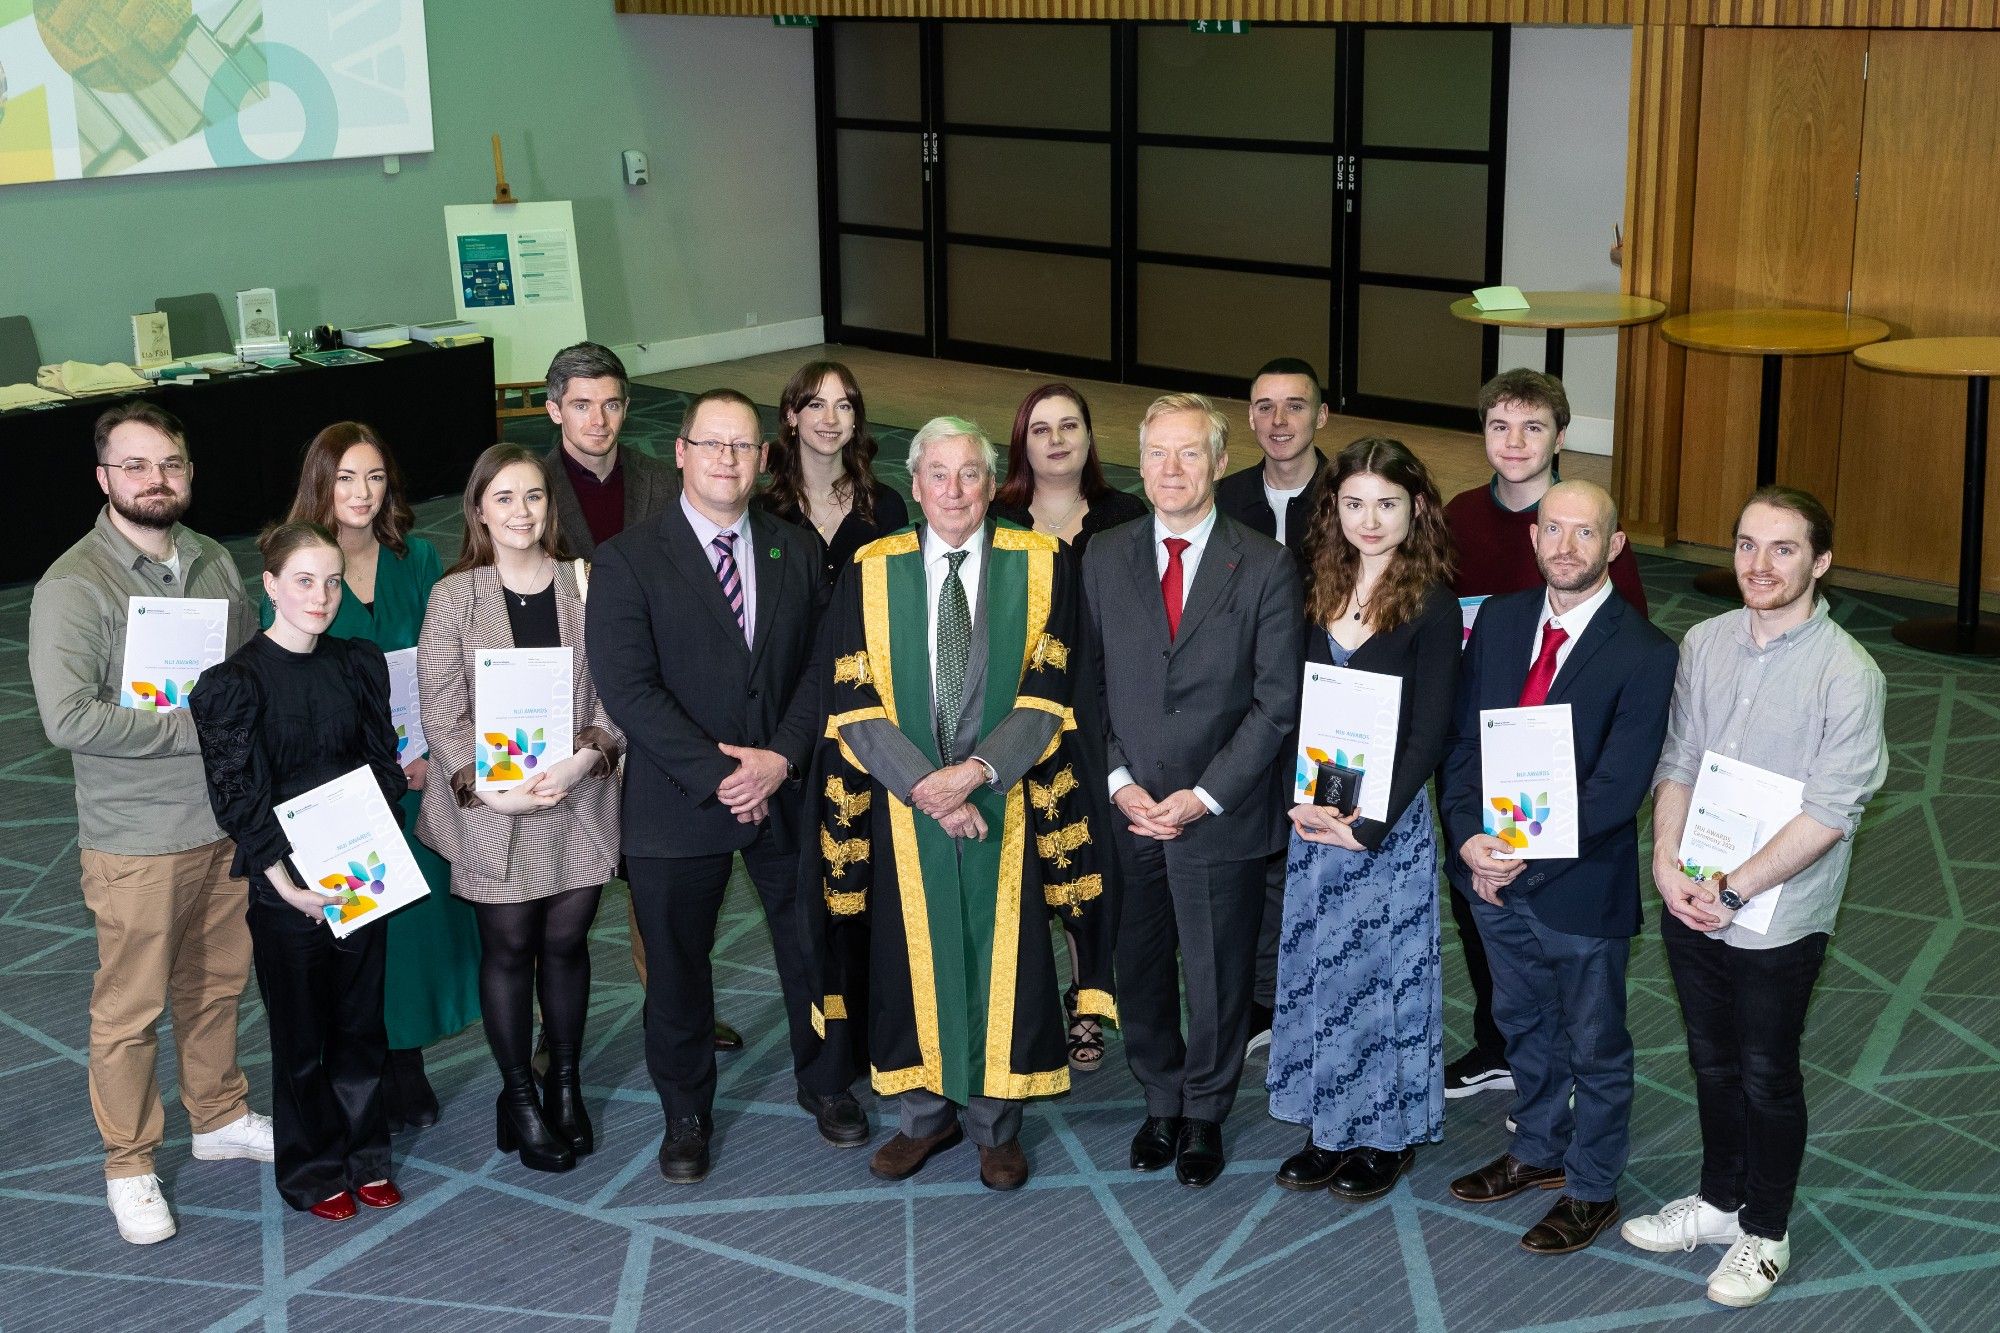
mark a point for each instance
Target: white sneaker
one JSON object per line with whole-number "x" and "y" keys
{"x": 141, "y": 1210}
{"x": 1682, "y": 1225}
{"x": 247, "y": 1137}
{"x": 1749, "y": 1271}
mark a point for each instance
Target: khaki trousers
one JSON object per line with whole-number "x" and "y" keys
{"x": 170, "y": 933}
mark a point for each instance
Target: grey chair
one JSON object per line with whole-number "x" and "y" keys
{"x": 195, "y": 324}
{"x": 20, "y": 356}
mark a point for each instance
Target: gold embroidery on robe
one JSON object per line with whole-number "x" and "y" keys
{"x": 1047, "y": 798}
{"x": 852, "y": 669}
{"x": 1057, "y": 846}
{"x": 1073, "y": 893}
{"x": 843, "y": 904}
{"x": 838, "y": 855}
{"x": 1049, "y": 651}
{"x": 846, "y": 806}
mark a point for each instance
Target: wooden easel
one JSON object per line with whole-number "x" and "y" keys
{"x": 501, "y": 193}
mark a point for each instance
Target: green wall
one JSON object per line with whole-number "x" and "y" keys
{"x": 723, "y": 107}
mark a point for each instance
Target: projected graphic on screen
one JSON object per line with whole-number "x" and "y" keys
{"x": 111, "y": 87}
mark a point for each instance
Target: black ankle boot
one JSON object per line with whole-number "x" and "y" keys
{"x": 562, "y": 1101}
{"x": 412, "y": 1104}
{"x": 520, "y": 1126}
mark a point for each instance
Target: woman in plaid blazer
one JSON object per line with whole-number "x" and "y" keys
{"x": 532, "y": 859}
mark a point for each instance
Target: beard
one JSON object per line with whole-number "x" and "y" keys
{"x": 158, "y": 510}
{"x": 1574, "y": 581}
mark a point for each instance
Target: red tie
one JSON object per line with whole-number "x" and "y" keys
{"x": 1543, "y": 673}
{"x": 1170, "y": 584}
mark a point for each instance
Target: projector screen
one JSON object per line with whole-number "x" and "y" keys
{"x": 117, "y": 87}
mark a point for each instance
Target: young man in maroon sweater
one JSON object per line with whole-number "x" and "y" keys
{"x": 1523, "y": 415}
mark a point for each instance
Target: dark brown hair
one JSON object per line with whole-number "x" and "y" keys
{"x": 1819, "y": 523}
{"x": 786, "y": 490}
{"x": 478, "y": 548}
{"x": 146, "y": 414}
{"x": 1529, "y": 388}
{"x": 1423, "y": 560}
{"x": 281, "y": 541}
{"x": 1019, "y": 490}
{"x": 320, "y": 466}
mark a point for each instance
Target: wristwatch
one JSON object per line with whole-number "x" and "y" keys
{"x": 1729, "y": 897}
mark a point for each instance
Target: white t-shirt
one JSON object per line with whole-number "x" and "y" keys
{"x": 1280, "y": 502}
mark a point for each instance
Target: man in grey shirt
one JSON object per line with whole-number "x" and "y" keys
{"x": 1780, "y": 686}
{"x": 170, "y": 923}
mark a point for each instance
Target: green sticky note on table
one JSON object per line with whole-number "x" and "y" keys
{"x": 1499, "y": 298}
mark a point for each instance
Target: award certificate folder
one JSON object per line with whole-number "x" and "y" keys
{"x": 403, "y": 710}
{"x": 524, "y": 713}
{"x": 1468, "y": 611}
{"x": 1348, "y": 718}
{"x": 1527, "y": 772}
{"x": 169, "y": 642}
{"x": 346, "y": 840}
{"x": 1736, "y": 809}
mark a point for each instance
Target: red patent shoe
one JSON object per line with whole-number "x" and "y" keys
{"x": 380, "y": 1194}
{"x": 335, "y": 1208}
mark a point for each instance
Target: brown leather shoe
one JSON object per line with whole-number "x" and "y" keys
{"x": 1570, "y": 1226}
{"x": 1004, "y": 1167}
{"x": 1503, "y": 1178}
{"x": 902, "y": 1157}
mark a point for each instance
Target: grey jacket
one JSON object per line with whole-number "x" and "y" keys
{"x": 650, "y": 486}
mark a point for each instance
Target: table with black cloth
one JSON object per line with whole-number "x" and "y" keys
{"x": 246, "y": 432}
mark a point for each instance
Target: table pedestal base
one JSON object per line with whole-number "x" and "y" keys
{"x": 1938, "y": 634}
{"x": 1966, "y": 633}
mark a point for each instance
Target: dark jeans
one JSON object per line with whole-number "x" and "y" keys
{"x": 1745, "y": 1011}
{"x": 323, "y": 998}
{"x": 1560, "y": 1000}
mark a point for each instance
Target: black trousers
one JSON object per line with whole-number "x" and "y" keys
{"x": 1745, "y": 1011}
{"x": 1487, "y": 1042}
{"x": 677, "y": 900}
{"x": 1271, "y": 926}
{"x": 1207, "y": 912}
{"x": 323, "y": 997}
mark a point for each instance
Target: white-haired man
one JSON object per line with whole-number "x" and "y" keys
{"x": 951, "y": 819}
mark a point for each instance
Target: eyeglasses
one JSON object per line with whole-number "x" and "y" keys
{"x": 720, "y": 448}
{"x": 138, "y": 469}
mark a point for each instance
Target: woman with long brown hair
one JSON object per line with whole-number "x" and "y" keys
{"x": 532, "y": 859}
{"x": 1357, "y": 1037}
{"x": 1055, "y": 481}
{"x": 350, "y": 485}
{"x": 822, "y": 473}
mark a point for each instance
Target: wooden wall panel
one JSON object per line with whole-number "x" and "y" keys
{"x": 1926, "y": 260}
{"x": 1718, "y": 13}
{"x": 1659, "y": 217}
{"x": 1780, "y": 142}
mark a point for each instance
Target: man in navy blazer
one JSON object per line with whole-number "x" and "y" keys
{"x": 1558, "y": 932}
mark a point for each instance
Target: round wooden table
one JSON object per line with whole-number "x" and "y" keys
{"x": 1976, "y": 361}
{"x": 1557, "y": 311}
{"x": 1772, "y": 335}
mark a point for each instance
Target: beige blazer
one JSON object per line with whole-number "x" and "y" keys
{"x": 498, "y": 858}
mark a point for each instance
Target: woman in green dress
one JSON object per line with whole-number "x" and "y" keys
{"x": 349, "y": 483}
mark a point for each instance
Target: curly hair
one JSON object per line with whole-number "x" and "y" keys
{"x": 1423, "y": 560}
{"x": 786, "y": 490}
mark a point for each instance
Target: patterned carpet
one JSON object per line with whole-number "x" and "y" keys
{"x": 1898, "y": 1223}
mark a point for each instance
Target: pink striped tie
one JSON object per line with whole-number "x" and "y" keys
{"x": 725, "y": 570}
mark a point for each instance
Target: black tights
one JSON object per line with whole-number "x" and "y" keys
{"x": 553, "y": 932}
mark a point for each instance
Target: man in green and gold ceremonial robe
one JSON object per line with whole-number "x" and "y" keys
{"x": 951, "y": 817}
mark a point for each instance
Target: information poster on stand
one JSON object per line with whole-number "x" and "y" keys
{"x": 517, "y": 277}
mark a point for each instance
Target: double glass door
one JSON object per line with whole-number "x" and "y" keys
{"x": 1142, "y": 203}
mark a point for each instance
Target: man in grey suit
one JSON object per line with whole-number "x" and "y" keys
{"x": 946, "y": 796}
{"x": 1199, "y": 622}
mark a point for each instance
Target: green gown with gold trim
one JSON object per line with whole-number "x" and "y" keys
{"x": 944, "y": 943}
{"x": 431, "y": 986}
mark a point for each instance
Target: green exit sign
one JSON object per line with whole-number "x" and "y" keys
{"x": 1220, "y": 27}
{"x": 795, "y": 20}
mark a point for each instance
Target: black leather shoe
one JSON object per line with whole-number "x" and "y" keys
{"x": 684, "y": 1151}
{"x": 1310, "y": 1168}
{"x": 1153, "y": 1147}
{"x": 1199, "y": 1159}
{"x": 519, "y": 1126}
{"x": 1503, "y": 1178}
{"x": 727, "y": 1038}
{"x": 1369, "y": 1173}
{"x": 416, "y": 1105}
{"x": 840, "y": 1118}
{"x": 1570, "y": 1226}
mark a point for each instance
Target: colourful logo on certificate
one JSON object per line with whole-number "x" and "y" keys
{"x": 150, "y": 698}
{"x": 1308, "y": 776}
{"x": 402, "y": 742}
{"x": 509, "y": 757}
{"x": 361, "y": 878}
{"x": 1700, "y": 874}
{"x": 1516, "y": 821}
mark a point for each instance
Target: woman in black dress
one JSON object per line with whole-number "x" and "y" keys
{"x": 292, "y": 709}
{"x": 821, "y": 473}
{"x": 1055, "y": 484}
